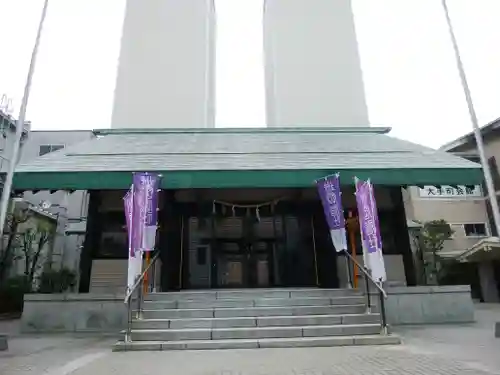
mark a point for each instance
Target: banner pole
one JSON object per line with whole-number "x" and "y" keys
{"x": 181, "y": 263}
{"x": 314, "y": 250}
{"x": 146, "y": 278}
{"x": 352, "y": 239}
{"x": 348, "y": 271}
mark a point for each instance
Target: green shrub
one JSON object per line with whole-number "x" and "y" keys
{"x": 59, "y": 281}
{"x": 12, "y": 294}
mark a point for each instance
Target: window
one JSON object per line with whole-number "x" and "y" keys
{"x": 3, "y": 140}
{"x": 45, "y": 149}
{"x": 494, "y": 172}
{"x": 475, "y": 230}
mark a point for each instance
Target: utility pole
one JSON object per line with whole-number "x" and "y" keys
{"x": 473, "y": 117}
{"x": 4, "y": 202}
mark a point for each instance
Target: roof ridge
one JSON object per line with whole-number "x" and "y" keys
{"x": 243, "y": 153}
{"x": 322, "y": 129}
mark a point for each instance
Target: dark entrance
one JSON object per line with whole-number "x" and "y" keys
{"x": 243, "y": 263}
{"x": 242, "y": 255}
{"x": 252, "y": 245}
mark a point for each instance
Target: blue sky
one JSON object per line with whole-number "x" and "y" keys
{"x": 410, "y": 76}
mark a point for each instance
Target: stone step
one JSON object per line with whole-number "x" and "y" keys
{"x": 258, "y": 302}
{"x": 251, "y": 294}
{"x": 253, "y": 332}
{"x": 295, "y": 342}
{"x": 273, "y": 321}
{"x": 107, "y": 289}
{"x": 149, "y": 313}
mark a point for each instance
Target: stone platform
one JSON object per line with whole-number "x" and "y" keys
{"x": 106, "y": 313}
{"x": 250, "y": 319}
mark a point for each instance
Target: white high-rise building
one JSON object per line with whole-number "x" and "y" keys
{"x": 312, "y": 64}
{"x": 166, "y": 73}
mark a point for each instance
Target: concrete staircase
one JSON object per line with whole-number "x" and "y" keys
{"x": 255, "y": 318}
{"x": 108, "y": 276}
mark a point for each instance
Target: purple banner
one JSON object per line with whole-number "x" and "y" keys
{"x": 129, "y": 203}
{"x": 152, "y": 183}
{"x": 134, "y": 253}
{"x": 139, "y": 211}
{"x": 368, "y": 216}
{"x": 329, "y": 192}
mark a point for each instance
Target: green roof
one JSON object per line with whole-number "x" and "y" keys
{"x": 203, "y": 158}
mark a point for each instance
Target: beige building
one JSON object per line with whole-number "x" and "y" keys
{"x": 464, "y": 208}
{"x": 467, "y": 210}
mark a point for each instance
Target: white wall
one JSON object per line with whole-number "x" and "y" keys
{"x": 37, "y": 138}
{"x": 7, "y": 138}
{"x": 70, "y": 208}
{"x": 76, "y": 203}
{"x": 166, "y": 73}
{"x": 313, "y": 73}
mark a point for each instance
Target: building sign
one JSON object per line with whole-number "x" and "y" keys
{"x": 446, "y": 191}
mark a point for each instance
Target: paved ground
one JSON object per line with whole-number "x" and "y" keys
{"x": 436, "y": 350}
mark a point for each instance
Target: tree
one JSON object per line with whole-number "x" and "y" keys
{"x": 8, "y": 250}
{"x": 46, "y": 234}
{"x": 27, "y": 239}
{"x": 32, "y": 244}
{"x": 433, "y": 234}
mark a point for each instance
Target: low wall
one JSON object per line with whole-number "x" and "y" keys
{"x": 107, "y": 312}
{"x": 74, "y": 313}
{"x": 429, "y": 305}
{"x": 3, "y": 343}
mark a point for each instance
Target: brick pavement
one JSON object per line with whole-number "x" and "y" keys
{"x": 303, "y": 361}
{"x": 474, "y": 344}
{"x": 44, "y": 354}
{"x": 434, "y": 350}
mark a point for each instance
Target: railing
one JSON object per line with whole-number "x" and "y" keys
{"x": 378, "y": 285}
{"x": 138, "y": 286}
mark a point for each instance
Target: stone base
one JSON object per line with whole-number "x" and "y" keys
{"x": 73, "y": 313}
{"x": 3, "y": 343}
{"x": 429, "y": 305}
{"x": 107, "y": 313}
{"x": 497, "y": 330}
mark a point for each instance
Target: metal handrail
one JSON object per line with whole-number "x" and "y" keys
{"x": 363, "y": 269}
{"x": 382, "y": 293}
{"x": 128, "y": 298}
{"x": 140, "y": 278}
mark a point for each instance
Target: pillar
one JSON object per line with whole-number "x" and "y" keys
{"x": 91, "y": 242}
{"x": 170, "y": 243}
{"x": 488, "y": 283}
{"x": 402, "y": 236}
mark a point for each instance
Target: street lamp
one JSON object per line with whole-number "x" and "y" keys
{"x": 4, "y": 202}
{"x": 473, "y": 117}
